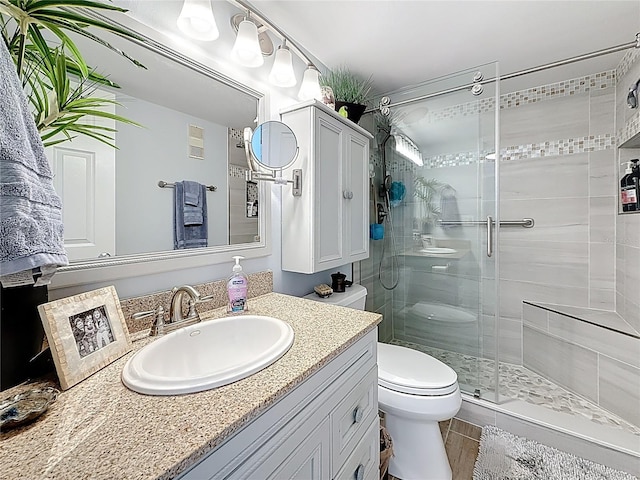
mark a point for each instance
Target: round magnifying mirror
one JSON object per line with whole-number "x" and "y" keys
{"x": 274, "y": 145}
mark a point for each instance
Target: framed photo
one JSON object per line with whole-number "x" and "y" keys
{"x": 86, "y": 332}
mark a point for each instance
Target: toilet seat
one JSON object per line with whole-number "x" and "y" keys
{"x": 409, "y": 371}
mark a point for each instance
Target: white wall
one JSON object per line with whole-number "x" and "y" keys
{"x": 144, "y": 211}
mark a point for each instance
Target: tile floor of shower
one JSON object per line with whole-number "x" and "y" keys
{"x": 519, "y": 383}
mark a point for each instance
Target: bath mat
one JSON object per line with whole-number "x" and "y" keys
{"x": 504, "y": 456}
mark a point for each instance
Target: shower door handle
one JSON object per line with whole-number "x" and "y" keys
{"x": 489, "y": 236}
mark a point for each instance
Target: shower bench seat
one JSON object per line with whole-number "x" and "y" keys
{"x": 592, "y": 353}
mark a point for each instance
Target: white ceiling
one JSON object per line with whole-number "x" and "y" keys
{"x": 404, "y": 43}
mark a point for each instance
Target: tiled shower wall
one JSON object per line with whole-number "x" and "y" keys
{"x": 628, "y": 225}
{"x": 560, "y": 171}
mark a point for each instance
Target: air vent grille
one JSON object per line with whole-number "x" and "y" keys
{"x": 196, "y": 142}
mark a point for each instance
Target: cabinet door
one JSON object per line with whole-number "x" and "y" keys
{"x": 328, "y": 203}
{"x": 309, "y": 460}
{"x": 357, "y": 201}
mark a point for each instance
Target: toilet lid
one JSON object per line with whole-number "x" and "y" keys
{"x": 410, "y": 371}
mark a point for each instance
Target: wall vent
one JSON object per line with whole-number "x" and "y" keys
{"x": 196, "y": 142}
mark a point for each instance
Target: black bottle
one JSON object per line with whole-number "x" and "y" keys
{"x": 635, "y": 181}
{"x": 629, "y": 188}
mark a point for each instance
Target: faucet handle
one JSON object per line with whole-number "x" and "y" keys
{"x": 206, "y": 298}
{"x": 158, "y": 323}
{"x": 193, "y": 313}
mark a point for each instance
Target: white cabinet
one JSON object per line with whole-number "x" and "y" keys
{"x": 326, "y": 428}
{"x": 327, "y": 226}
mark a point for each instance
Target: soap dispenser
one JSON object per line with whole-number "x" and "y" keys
{"x": 237, "y": 286}
{"x": 629, "y": 187}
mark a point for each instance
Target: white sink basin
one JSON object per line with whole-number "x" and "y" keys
{"x": 438, "y": 250}
{"x": 207, "y": 355}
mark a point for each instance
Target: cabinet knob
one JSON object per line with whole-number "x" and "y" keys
{"x": 347, "y": 194}
{"x": 359, "y": 473}
{"x": 357, "y": 414}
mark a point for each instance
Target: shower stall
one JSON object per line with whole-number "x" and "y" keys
{"x": 492, "y": 205}
{"x": 434, "y": 190}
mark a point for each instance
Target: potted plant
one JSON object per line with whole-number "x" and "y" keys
{"x": 350, "y": 91}
{"x": 428, "y": 212}
{"x": 60, "y": 88}
{"x": 59, "y": 84}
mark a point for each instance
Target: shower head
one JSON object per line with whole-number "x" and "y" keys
{"x": 632, "y": 96}
{"x": 386, "y": 184}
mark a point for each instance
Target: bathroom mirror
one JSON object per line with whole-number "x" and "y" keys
{"x": 273, "y": 145}
{"x": 213, "y": 110}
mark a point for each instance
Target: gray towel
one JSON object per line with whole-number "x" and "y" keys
{"x": 31, "y": 230}
{"x": 188, "y": 236}
{"x": 193, "y": 213}
{"x": 448, "y": 206}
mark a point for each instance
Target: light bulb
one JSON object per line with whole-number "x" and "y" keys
{"x": 196, "y": 20}
{"x": 246, "y": 50}
{"x": 310, "y": 87}
{"x": 282, "y": 74}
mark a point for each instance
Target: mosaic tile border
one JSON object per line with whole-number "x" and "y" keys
{"x": 570, "y": 146}
{"x": 631, "y": 128}
{"x": 516, "y": 99}
{"x": 517, "y": 382}
{"x": 627, "y": 62}
{"x": 237, "y": 172}
{"x": 236, "y": 134}
{"x": 564, "y": 88}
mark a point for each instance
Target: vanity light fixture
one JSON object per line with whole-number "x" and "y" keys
{"x": 282, "y": 74}
{"x": 246, "y": 49}
{"x": 196, "y": 20}
{"x": 408, "y": 149}
{"x": 310, "y": 87}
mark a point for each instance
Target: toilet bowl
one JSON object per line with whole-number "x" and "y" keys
{"x": 415, "y": 392}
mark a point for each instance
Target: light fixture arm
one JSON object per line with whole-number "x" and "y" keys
{"x": 267, "y": 25}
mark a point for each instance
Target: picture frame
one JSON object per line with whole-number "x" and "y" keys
{"x": 86, "y": 332}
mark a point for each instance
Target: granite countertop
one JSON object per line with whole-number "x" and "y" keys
{"x": 100, "y": 429}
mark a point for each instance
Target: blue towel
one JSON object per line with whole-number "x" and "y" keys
{"x": 31, "y": 228}
{"x": 188, "y": 236}
{"x": 193, "y": 214}
{"x": 191, "y": 193}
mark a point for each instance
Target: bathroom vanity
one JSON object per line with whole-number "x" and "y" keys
{"x": 311, "y": 414}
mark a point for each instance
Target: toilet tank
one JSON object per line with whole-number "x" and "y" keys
{"x": 354, "y": 296}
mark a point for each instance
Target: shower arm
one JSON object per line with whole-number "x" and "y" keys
{"x": 385, "y": 105}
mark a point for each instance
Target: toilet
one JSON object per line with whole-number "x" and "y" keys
{"x": 415, "y": 392}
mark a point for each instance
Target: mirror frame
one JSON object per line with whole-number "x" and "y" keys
{"x": 254, "y": 157}
{"x": 126, "y": 266}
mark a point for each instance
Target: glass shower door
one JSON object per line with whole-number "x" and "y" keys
{"x": 445, "y": 300}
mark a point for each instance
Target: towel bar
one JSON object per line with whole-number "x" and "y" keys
{"x": 163, "y": 184}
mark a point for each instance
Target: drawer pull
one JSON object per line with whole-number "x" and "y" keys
{"x": 359, "y": 473}
{"x": 357, "y": 414}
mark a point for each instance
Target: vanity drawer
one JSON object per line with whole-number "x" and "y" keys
{"x": 351, "y": 418}
{"x": 364, "y": 461}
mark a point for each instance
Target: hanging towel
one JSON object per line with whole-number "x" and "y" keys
{"x": 188, "y": 236}
{"x": 448, "y": 206}
{"x": 31, "y": 229}
{"x": 193, "y": 195}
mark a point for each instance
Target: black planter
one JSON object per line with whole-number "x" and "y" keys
{"x": 354, "y": 110}
{"x": 21, "y": 332}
